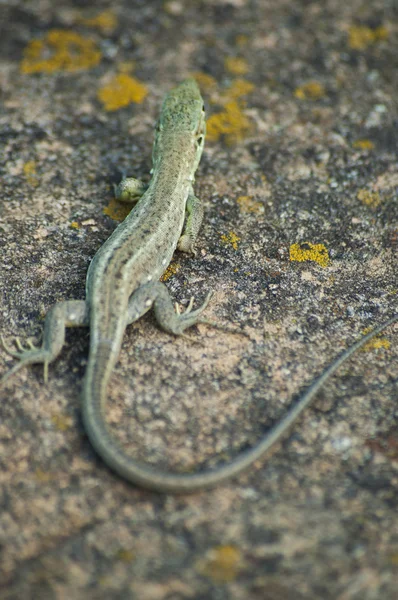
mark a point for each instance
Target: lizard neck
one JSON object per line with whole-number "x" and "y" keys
{"x": 174, "y": 167}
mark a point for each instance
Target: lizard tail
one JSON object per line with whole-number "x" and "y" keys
{"x": 160, "y": 481}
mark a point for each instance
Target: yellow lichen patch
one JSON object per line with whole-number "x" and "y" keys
{"x": 231, "y": 123}
{"x": 117, "y": 211}
{"x": 124, "y": 555}
{"x": 206, "y": 82}
{"x": 222, "y": 564}
{"x": 74, "y": 225}
{"x": 375, "y": 343}
{"x": 241, "y": 40}
{"x": 106, "y": 21}
{"x": 61, "y": 422}
{"x": 380, "y": 33}
{"x": 230, "y": 239}
{"x": 127, "y": 66}
{"x": 369, "y": 198}
{"x": 238, "y": 88}
{"x": 248, "y": 205}
{"x": 43, "y": 476}
{"x": 171, "y": 270}
{"x": 30, "y": 173}
{"x": 312, "y": 90}
{"x": 122, "y": 91}
{"x": 360, "y": 36}
{"x": 363, "y": 145}
{"x": 60, "y": 50}
{"x": 312, "y": 252}
{"x": 235, "y": 65}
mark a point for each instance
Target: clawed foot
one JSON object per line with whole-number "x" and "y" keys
{"x": 22, "y": 350}
{"x": 186, "y": 244}
{"x": 186, "y": 312}
{"x": 26, "y": 356}
{"x": 188, "y": 308}
{"x": 189, "y": 314}
{"x": 176, "y": 321}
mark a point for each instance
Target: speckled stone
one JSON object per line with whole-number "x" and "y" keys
{"x": 308, "y": 157}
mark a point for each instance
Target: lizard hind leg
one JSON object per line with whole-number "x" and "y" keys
{"x": 169, "y": 317}
{"x": 156, "y": 295}
{"x": 26, "y": 357}
{"x": 174, "y": 322}
{"x": 72, "y": 313}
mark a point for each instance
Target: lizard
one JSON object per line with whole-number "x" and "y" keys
{"x": 123, "y": 284}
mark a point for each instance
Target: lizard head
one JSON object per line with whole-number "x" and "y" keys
{"x": 183, "y": 108}
{"x": 183, "y": 112}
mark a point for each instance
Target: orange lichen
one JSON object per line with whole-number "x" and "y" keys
{"x": 369, "y": 198}
{"x": 360, "y": 36}
{"x": 171, "y": 270}
{"x": 363, "y": 145}
{"x": 312, "y": 90}
{"x": 106, "y": 21}
{"x": 60, "y": 50}
{"x": 122, "y": 91}
{"x": 231, "y": 239}
{"x": 231, "y": 123}
{"x": 117, "y": 211}
{"x": 222, "y": 564}
{"x": 30, "y": 173}
{"x": 311, "y": 252}
{"x": 235, "y": 65}
{"x": 248, "y": 205}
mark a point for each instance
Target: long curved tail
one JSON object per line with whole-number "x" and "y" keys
{"x": 97, "y": 376}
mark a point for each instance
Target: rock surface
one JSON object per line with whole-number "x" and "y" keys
{"x": 299, "y": 179}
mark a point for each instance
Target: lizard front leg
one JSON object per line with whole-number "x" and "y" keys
{"x": 130, "y": 190}
{"x": 72, "y": 313}
{"x": 194, "y": 217}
